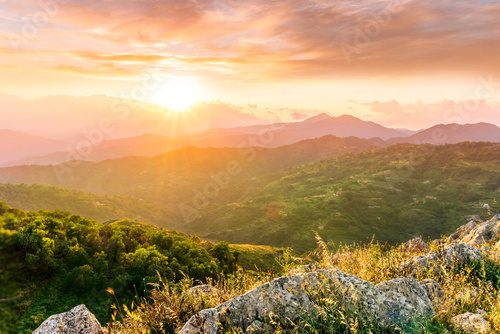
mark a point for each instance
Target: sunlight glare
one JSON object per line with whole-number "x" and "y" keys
{"x": 178, "y": 93}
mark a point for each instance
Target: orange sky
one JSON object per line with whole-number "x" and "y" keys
{"x": 377, "y": 59}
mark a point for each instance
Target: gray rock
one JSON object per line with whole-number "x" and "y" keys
{"x": 434, "y": 290}
{"x": 471, "y": 323}
{"x": 79, "y": 320}
{"x": 447, "y": 257}
{"x": 390, "y": 304}
{"x": 477, "y": 233}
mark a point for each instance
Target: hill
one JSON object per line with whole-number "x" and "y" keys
{"x": 101, "y": 208}
{"x": 390, "y": 194}
{"x": 154, "y": 178}
{"x": 278, "y": 196}
{"x": 453, "y": 134}
{"x": 16, "y": 145}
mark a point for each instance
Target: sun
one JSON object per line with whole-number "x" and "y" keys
{"x": 178, "y": 93}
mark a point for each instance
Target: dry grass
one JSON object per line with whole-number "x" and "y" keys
{"x": 169, "y": 305}
{"x": 467, "y": 287}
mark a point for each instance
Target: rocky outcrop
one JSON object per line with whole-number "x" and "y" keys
{"x": 448, "y": 257}
{"x": 471, "y": 323}
{"x": 390, "y": 304}
{"x": 477, "y": 233}
{"x": 79, "y": 320}
{"x": 460, "y": 247}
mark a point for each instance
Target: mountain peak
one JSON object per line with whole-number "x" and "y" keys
{"x": 347, "y": 118}
{"x": 318, "y": 117}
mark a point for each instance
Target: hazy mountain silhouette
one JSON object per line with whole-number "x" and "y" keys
{"x": 268, "y": 135}
{"x": 17, "y": 145}
{"x": 452, "y": 134}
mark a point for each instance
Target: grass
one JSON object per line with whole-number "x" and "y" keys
{"x": 466, "y": 287}
{"x": 257, "y": 257}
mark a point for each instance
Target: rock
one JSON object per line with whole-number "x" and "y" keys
{"x": 475, "y": 234}
{"x": 416, "y": 245}
{"x": 471, "y": 323}
{"x": 390, "y": 304}
{"x": 434, "y": 290}
{"x": 79, "y": 320}
{"x": 258, "y": 327}
{"x": 447, "y": 257}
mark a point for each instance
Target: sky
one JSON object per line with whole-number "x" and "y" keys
{"x": 402, "y": 63}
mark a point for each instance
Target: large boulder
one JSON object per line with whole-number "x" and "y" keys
{"x": 477, "y": 233}
{"x": 391, "y": 304}
{"x": 78, "y": 320}
{"x": 471, "y": 323}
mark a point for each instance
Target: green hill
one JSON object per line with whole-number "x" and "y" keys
{"x": 55, "y": 260}
{"x": 281, "y": 196}
{"x": 99, "y": 207}
{"x": 390, "y": 194}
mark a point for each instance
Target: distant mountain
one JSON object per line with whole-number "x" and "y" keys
{"x": 452, "y": 134}
{"x": 274, "y": 135}
{"x": 267, "y": 135}
{"x": 144, "y": 145}
{"x": 17, "y": 145}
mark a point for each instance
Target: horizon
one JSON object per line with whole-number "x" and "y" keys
{"x": 269, "y": 114}
{"x": 378, "y": 61}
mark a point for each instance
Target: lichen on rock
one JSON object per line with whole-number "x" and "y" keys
{"x": 391, "y": 304}
{"x": 477, "y": 233}
{"x": 78, "y": 320}
{"x": 471, "y": 323}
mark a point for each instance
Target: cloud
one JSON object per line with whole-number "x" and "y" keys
{"x": 97, "y": 56}
{"x": 105, "y": 70}
{"x": 276, "y": 40}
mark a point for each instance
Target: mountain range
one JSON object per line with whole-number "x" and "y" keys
{"x": 24, "y": 149}
{"x": 267, "y": 135}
